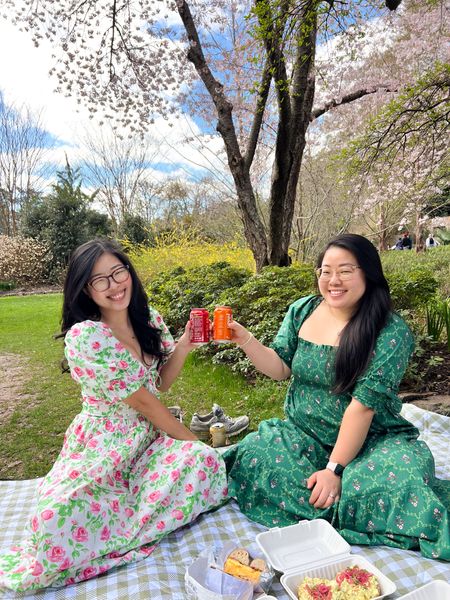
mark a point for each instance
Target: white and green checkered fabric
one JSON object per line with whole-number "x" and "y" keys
{"x": 161, "y": 575}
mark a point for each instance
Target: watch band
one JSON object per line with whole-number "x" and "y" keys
{"x": 336, "y": 468}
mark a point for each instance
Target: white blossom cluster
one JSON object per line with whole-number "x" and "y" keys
{"x": 23, "y": 261}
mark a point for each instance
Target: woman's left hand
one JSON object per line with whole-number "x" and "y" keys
{"x": 326, "y": 488}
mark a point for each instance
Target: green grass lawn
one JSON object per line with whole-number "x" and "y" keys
{"x": 31, "y": 438}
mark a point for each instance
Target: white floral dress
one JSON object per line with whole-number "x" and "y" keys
{"x": 118, "y": 485}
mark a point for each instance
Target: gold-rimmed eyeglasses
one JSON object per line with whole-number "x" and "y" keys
{"x": 344, "y": 273}
{"x": 103, "y": 283}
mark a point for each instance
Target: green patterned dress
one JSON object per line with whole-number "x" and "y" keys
{"x": 389, "y": 491}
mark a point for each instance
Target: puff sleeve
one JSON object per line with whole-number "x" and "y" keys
{"x": 377, "y": 388}
{"x": 167, "y": 340}
{"x": 286, "y": 340}
{"x": 101, "y": 364}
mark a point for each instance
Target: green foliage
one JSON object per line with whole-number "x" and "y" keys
{"x": 260, "y": 305}
{"x": 443, "y": 235}
{"x": 175, "y": 292}
{"x": 134, "y": 229}
{"x": 437, "y": 313}
{"x": 63, "y": 219}
{"x": 416, "y": 278}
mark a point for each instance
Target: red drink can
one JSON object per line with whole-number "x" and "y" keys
{"x": 221, "y": 331}
{"x": 199, "y": 333}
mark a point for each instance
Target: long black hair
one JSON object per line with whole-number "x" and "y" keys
{"x": 359, "y": 337}
{"x": 78, "y": 305}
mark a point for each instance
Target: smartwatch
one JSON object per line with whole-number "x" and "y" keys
{"x": 336, "y": 468}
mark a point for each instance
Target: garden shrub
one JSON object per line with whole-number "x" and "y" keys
{"x": 260, "y": 305}
{"x": 185, "y": 249}
{"x": 23, "y": 261}
{"x": 412, "y": 289}
{"x": 174, "y": 293}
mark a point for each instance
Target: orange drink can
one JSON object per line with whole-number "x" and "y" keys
{"x": 221, "y": 331}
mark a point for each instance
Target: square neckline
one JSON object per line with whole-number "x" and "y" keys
{"x": 316, "y": 301}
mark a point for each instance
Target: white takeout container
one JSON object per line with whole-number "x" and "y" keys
{"x": 434, "y": 590}
{"x": 313, "y": 549}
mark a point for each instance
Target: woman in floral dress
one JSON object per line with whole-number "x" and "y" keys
{"x": 343, "y": 453}
{"x": 129, "y": 473}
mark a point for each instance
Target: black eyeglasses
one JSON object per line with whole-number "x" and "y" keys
{"x": 102, "y": 283}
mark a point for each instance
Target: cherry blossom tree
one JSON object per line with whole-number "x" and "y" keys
{"x": 129, "y": 59}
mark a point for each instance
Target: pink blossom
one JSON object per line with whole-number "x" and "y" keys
{"x": 95, "y": 507}
{"x": 70, "y": 581}
{"x": 75, "y": 331}
{"x": 129, "y": 512}
{"x": 114, "y": 555}
{"x": 109, "y": 426}
{"x": 115, "y": 506}
{"x": 66, "y": 564}
{"x": 154, "y": 476}
{"x": 118, "y": 346}
{"x": 165, "y": 502}
{"x": 188, "y": 488}
{"x": 169, "y": 442}
{"x": 74, "y": 474}
{"x": 144, "y": 519}
{"x": 55, "y": 554}
{"x": 38, "y": 569}
{"x": 93, "y": 443}
{"x": 201, "y": 475}
{"x": 177, "y": 514}
{"x": 80, "y": 534}
{"x": 169, "y": 459}
{"x": 78, "y": 371}
{"x": 123, "y": 364}
{"x": 105, "y": 534}
{"x": 186, "y": 446}
{"x": 160, "y": 525}
{"x": 90, "y": 373}
{"x": 75, "y": 455}
{"x": 122, "y": 385}
{"x": 225, "y": 492}
{"x": 34, "y": 523}
{"x": 95, "y": 346}
{"x": 154, "y": 496}
{"x": 89, "y": 572}
{"x": 206, "y": 493}
{"x": 209, "y": 461}
{"x": 189, "y": 461}
{"x": 175, "y": 475}
{"x": 47, "y": 514}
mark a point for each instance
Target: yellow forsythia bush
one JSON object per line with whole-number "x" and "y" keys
{"x": 186, "y": 250}
{"x": 23, "y": 261}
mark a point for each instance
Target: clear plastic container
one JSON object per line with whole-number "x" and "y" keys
{"x": 313, "y": 549}
{"x": 434, "y": 590}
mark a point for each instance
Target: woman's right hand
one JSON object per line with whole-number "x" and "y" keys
{"x": 239, "y": 335}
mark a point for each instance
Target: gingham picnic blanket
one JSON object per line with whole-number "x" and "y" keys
{"x": 161, "y": 575}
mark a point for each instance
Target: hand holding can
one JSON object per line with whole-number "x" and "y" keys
{"x": 200, "y": 327}
{"x": 221, "y": 331}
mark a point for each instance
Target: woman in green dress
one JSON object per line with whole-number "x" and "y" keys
{"x": 343, "y": 453}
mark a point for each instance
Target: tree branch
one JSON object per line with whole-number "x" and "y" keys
{"x": 319, "y": 111}
{"x": 263, "y": 93}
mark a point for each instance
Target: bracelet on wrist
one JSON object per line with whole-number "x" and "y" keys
{"x": 246, "y": 341}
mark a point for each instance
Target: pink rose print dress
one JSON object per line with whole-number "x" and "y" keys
{"x": 118, "y": 485}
